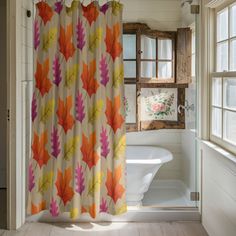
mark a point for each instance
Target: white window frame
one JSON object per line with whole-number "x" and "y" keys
{"x": 223, "y": 75}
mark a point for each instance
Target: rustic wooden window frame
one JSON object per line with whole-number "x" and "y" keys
{"x": 142, "y": 29}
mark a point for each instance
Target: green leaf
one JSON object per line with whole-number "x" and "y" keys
{"x": 71, "y": 75}
{"x": 95, "y": 111}
{"x": 95, "y": 39}
{"x": 70, "y": 148}
{"x": 49, "y": 38}
{"x": 47, "y": 110}
{"x": 95, "y": 183}
{"x": 45, "y": 182}
{"x": 118, "y": 76}
{"x": 119, "y": 147}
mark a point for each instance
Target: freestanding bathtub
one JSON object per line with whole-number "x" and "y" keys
{"x": 142, "y": 162}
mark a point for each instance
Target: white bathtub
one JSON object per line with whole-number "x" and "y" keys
{"x": 142, "y": 162}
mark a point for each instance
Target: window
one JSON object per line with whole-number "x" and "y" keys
{"x": 223, "y": 80}
{"x": 152, "y": 90}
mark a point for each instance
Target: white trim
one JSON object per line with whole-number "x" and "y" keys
{"x": 16, "y": 164}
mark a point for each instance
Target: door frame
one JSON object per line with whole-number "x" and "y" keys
{"x": 15, "y": 159}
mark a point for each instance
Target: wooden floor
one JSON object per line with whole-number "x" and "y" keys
{"x": 110, "y": 229}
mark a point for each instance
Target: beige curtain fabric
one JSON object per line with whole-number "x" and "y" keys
{"x": 78, "y": 140}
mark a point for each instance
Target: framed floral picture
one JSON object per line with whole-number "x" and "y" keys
{"x": 159, "y": 104}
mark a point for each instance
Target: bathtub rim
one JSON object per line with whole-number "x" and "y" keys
{"x": 160, "y": 160}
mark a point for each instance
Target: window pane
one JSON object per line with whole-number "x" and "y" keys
{"x": 164, "y": 49}
{"x": 148, "y": 69}
{"x": 130, "y": 69}
{"x": 222, "y": 56}
{"x": 233, "y": 21}
{"x": 217, "y": 92}
{"x": 129, "y": 45}
{"x": 164, "y": 70}
{"x": 233, "y": 55}
{"x": 230, "y": 126}
{"x": 222, "y": 25}
{"x": 130, "y": 103}
{"x": 216, "y": 121}
{"x": 230, "y": 93}
{"x": 148, "y": 47}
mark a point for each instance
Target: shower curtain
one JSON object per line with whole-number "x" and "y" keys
{"x": 78, "y": 133}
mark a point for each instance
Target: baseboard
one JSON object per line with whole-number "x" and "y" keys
{"x": 133, "y": 215}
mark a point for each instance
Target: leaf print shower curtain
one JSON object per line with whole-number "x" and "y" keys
{"x": 78, "y": 139}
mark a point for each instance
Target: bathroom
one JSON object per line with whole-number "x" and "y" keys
{"x": 173, "y": 134}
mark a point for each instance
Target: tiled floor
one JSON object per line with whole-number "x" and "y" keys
{"x": 168, "y": 197}
{"x": 110, "y": 229}
{"x": 3, "y": 209}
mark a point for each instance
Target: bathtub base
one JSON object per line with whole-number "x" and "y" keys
{"x": 134, "y": 199}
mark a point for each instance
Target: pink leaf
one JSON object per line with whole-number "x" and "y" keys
{"x": 104, "y": 71}
{"x": 79, "y": 179}
{"x": 54, "y": 208}
{"x": 103, "y": 206}
{"x": 55, "y": 143}
{"x": 58, "y": 7}
{"x": 31, "y": 183}
{"x": 57, "y": 71}
{"x": 80, "y": 35}
{"x": 79, "y": 107}
{"x": 104, "y": 142}
{"x": 36, "y": 35}
{"x": 104, "y": 8}
{"x": 33, "y": 108}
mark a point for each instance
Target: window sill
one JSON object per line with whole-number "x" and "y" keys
{"x": 223, "y": 152}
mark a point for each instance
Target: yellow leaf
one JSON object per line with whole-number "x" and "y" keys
{"x": 118, "y": 75}
{"x": 119, "y": 147}
{"x": 95, "y": 111}
{"x": 45, "y": 182}
{"x": 122, "y": 209}
{"x": 74, "y": 212}
{"x": 116, "y": 7}
{"x": 47, "y": 110}
{"x": 71, "y": 75}
{"x": 49, "y": 38}
{"x": 74, "y": 5}
{"x": 95, "y": 39}
{"x": 95, "y": 183}
{"x": 70, "y": 148}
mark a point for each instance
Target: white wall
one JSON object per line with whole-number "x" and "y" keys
{"x": 158, "y": 14}
{"x": 218, "y": 191}
{"x": 3, "y": 95}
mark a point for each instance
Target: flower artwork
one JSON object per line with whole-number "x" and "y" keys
{"x": 159, "y": 104}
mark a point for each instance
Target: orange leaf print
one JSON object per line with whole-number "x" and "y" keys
{"x": 113, "y": 46}
{"x": 114, "y": 118}
{"x": 40, "y": 154}
{"x": 90, "y": 84}
{"x": 64, "y": 190}
{"x": 92, "y": 210}
{"x": 65, "y": 119}
{"x": 45, "y": 11}
{"x": 90, "y": 12}
{"x": 67, "y": 48}
{"x": 41, "y": 76}
{"x": 90, "y": 157}
{"x": 114, "y": 189}
{"x": 35, "y": 209}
